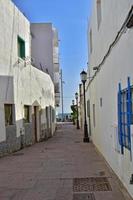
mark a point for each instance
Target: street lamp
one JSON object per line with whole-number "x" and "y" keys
{"x": 76, "y": 97}
{"x": 83, "y": 76}
{"x": 73, "y": 111}
{"x": 73, "y": 102}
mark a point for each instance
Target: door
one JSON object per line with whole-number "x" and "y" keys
{"x": 88, "y": 114}
{"x": 35, "y": 122}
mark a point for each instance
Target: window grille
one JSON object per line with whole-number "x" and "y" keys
{"x": 125, "y": 116}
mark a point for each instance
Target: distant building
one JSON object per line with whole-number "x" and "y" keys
{"x": 110, "y": 85}
{"x": 45, "y": 53}
{"x": 27, "y": 100}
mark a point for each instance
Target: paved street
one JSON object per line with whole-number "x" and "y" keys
{"x": 62, "y": 168}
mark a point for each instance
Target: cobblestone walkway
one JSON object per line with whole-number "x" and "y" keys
{"x": 62, "y": 168}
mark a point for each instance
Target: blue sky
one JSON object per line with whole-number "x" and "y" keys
{"x": 70, "y": 17}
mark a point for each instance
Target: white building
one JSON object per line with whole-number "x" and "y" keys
{"x": 45, "y": 52}
{"x": 81, "y": 107}
{"x": 27, "y": 94}
{"x": 111, "y": 63}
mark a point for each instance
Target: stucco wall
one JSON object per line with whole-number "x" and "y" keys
{"x": 42, "y": 47}
{"x": 116, "y": 68}
{"x": 32, "y": 87}
{"x": 21, "y": 84}
{"x": 45, "y": 51}
{"x": 13, "y": 24}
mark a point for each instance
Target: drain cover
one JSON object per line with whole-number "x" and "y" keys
{"x": 83, "y": 196}
{"x": 91, "y": 184}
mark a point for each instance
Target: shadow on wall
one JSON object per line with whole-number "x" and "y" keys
{"x": 22, "y": 133}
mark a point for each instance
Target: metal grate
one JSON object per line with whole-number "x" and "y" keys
{"x": 91, "y": 184}
{"x": 83, "y": 196}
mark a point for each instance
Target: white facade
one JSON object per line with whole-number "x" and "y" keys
{"x": 102, "y": 87}
{"x": 81, "y": 107}
{"x": 45, "y": 52}
{"x": 21, "y": 85}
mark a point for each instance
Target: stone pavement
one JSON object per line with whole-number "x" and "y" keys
{"x": 62, "y": 168}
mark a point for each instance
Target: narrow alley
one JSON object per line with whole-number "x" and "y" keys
{"x": 62, "y": 168}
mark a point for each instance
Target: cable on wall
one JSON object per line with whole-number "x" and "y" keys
{"x": 117, "y": 38}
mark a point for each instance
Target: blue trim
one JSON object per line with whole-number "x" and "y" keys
{"x": 124, "y": 116}
{"x": 129, "y": 113}
{"x": 120, "y": 119}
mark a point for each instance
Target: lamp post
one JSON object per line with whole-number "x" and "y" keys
{"x": 73, "y": 102}
{"x": 73, "y": 112}
{"x": 76, "y": 97}
{"x": 83, "y": 76}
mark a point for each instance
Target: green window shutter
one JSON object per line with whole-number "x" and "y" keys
{"x": 21, "y": 48}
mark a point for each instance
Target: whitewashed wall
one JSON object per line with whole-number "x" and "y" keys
{"x": 12, "y": 23}
{"x": 20, "y": 83}
{"x": 31, "y": 87}
{"x": 42, "y": 47}
{"x": 45, "y": 52}
{"x": 117, "y": 67}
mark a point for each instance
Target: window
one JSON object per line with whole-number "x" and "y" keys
{"x": 101, "y": 102}
{"x": 53, "y": 114}
{"x": 47, "y": 117}
{"x": 90, "y": 41}
{"x": 125, "y": 115}
{"x": 27, "y": 114}
{"x": 8, "y": 114}
{"x": 132, "y": 105}
{"x": 88, "y": 108}
{"x": 21, "y": 48}
{"x": 94, "y": 118}
{"x": 99, "y": 16}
